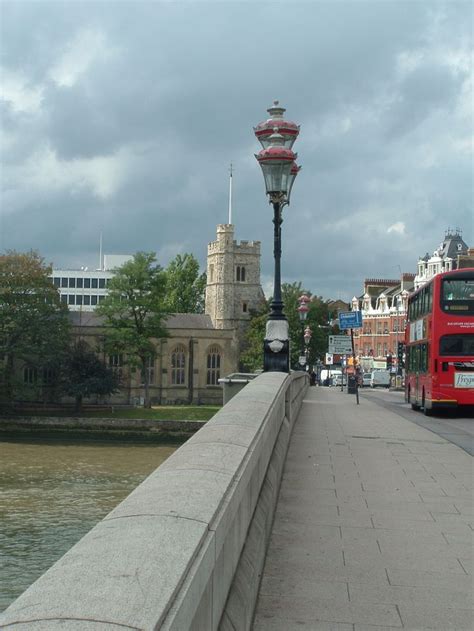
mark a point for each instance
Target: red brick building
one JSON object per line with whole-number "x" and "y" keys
{"x": 383, "y": 305}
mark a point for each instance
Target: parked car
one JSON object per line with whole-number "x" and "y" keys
{"x": 380, "y": 379}
{"x": 365, "y": 382}
{"x": 338, "y": 380}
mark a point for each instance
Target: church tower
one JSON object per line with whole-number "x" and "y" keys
{"x": 233, "y": 287}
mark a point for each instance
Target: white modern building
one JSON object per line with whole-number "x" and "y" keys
{"x": 83, "y": 289}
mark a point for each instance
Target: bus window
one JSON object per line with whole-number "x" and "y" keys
{"x": 462, "y": 344}
{"x": 424, "y": 358}
{"x": 457, "y": 295}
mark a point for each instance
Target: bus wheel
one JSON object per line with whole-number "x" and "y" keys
{"x": 414, "y": 406}
{"x": 426, "y": 411}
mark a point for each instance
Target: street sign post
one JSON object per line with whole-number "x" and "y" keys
{"x": 350, "y": 320}
{"x": 340, "y": 344}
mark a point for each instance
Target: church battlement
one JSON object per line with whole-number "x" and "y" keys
{"x": 224, "y": 243}
{"x": 233, "y": 279}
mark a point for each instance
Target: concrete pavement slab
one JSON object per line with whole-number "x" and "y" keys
{"x": 420, "y": 617}
{"x": 317, "y": 609}
{"x": 269, "y": 623}
{"x": 387, "y": 529}
{"x": 442, "y": 580}
{"x": 427, "y": 595}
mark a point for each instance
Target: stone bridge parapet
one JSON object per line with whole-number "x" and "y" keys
{"x": 185, "y": 550}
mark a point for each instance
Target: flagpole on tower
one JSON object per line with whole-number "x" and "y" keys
{"x": 230, "y": 194}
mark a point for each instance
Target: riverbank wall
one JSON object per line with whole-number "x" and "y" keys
{"x": 38, "y": 427}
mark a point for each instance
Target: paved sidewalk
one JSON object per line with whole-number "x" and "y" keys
{"x": 374, "y": 525}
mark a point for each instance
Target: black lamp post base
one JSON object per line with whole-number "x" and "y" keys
{"x": 278, "y": 361}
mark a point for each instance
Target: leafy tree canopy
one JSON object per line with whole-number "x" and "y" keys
{"x": 83, "y": 374}
{"x": 251, "y": 357}
{"x": 185, "y": 287}
{"x": 317, "y": 319}
{"x": 34, "y": 325}
{"x": 135, "y": 310}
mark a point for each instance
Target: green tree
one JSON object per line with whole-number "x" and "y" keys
{"x": 134, "y": 312}
{"x": 290, "y": 293}
{"x": 34, "y": 325}
{"x": 185, "y": 287}
{"x": 251, "y": 357}
{"x": 83, "y": 374}
{"x": 317, "y": 319}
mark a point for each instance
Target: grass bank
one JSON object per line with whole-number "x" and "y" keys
{"x": 158, "y": 413}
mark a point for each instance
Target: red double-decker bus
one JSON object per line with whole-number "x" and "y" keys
{"x": 439, "y": 338}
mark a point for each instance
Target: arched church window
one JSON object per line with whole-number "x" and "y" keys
{"x": 213, "y": 366}
{"x": 30, "y": 375}
{"x": 178, "y": 365}
{"x": 240, "y": 274}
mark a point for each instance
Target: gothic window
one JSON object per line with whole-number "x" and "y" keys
{"x": 47, "y": 376}
{"x": 150, "y": 369}
{"x": 211, "y": 273}
{"x": 116, "y": 364}
{"x": 244, "y": 307}
{"x": 213, "y": 366}
{"x": 240, "y": 274}
{"x": 178, "y": 365}
{"x": 30, "y": 375}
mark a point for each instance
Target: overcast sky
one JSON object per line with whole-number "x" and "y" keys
{"x": 123, "y": 117}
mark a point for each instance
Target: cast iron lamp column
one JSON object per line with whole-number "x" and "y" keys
{"x": 279, "y": 168}
{"x": 307, "y": 340}
{"x": 303, "y": 313}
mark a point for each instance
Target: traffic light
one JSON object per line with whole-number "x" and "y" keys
{"x": 389, "y": 362}
{"x": 400, "y": 354}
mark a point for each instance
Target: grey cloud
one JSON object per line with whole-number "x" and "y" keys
{"x": 176, "y": 100}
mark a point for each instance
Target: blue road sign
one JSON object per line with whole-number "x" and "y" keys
{"x": 350, "y": 320}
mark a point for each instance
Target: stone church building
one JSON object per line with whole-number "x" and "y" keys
{"x": 200, "y": 348}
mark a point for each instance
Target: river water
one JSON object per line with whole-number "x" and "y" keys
{"x": 52, "y": 493}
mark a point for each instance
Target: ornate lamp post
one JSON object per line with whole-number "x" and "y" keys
{"x": 279, "y": 168}
{"x": 307, "y": 340}
{"x": 303, "y": 313}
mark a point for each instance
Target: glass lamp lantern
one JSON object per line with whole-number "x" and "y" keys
{"x": 287, "y": 129}
{"x": 303, "y": 306}
{"x": 276, "y": 162}
{"x": 293, "y": 173}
